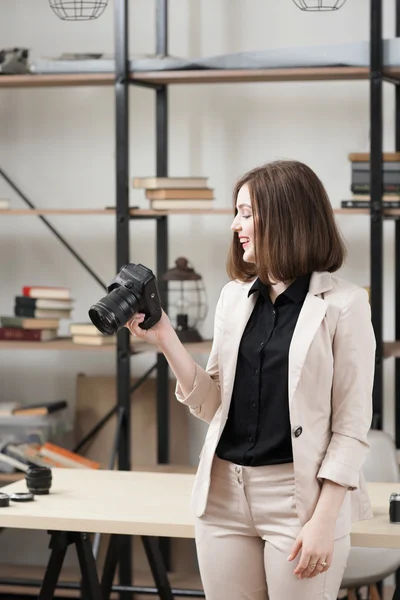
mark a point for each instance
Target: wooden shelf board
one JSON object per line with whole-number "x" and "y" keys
{"x": 255, "y": 75}
{"x": 99, "y": 211}
{"x": 57, "y": 80}
{"x": 67, "y": 344}
{"x": 196, "y": 76}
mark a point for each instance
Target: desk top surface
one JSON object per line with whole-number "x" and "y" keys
{"x": 134, "y": 503}
{"x": 144, "y": 503}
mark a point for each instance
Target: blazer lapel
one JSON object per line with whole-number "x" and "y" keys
{"x": 238, "y": 321}
{"x": 311, "y": 315}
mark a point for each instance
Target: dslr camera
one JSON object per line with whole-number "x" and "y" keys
{"x": 133, "y": 290}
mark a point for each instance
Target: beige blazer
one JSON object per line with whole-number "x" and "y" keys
{"x": 331, "y": 369}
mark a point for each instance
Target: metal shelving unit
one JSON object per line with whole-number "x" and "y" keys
{"x": 158, "y": 83}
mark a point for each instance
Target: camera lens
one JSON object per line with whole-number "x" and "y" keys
{"x": 103, "y": 319}
{"x": 38, "y": 480}
{"x": 113, "y": 311}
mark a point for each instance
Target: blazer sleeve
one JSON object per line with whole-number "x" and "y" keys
{"x": 353, "y": 374}
{"x": 205, "y": 397}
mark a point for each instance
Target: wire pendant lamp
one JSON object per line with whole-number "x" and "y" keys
{"x": 319, "y": 5}
{"x": 78, "y": 10}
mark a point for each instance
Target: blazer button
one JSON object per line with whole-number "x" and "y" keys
{"x": 297, "y": 431}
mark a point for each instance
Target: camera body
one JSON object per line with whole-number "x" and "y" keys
{"x": 133, "y": 289}
{"x": 394, "y": 508}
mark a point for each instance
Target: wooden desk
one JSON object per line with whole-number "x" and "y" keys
{"x": 119, "y": 503}
{"x": 150, "y": 504}
{"x": 153, "y": 504}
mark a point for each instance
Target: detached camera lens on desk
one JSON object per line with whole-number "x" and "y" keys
{"x": 38, "y": 480}
{"x": 394, "y": 508}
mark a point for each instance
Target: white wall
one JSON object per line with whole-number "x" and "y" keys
{"x": 58, "y": 146}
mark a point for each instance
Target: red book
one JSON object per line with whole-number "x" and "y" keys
{"x": 44, "y": 291}
{"x": 27, "y": 335}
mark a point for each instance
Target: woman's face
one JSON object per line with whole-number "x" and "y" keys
{"x": 243, "y": 224}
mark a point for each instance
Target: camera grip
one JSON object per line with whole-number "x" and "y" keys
{"x": 151, "y": 320}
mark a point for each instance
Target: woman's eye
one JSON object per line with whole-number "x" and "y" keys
{"x": 246, "y": 216}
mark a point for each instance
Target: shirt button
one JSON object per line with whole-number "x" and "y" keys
{"x": 262, "y": 343}
{"x": 254, "y": 405}
{"x": 297, "y": 431}
{"x": 274, "y": 312}
{"x": 250, "y": 438}
{"x": 256, "y": 372}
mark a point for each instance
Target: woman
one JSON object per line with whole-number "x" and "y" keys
{"x": 288, "y": 395}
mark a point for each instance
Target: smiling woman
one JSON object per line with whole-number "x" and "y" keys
{"x": 287, "y": 392}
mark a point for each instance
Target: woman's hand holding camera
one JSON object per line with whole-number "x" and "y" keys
{"x": 156, "y": 335}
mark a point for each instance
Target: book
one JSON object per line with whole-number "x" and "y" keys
{"x": 43, "y": 291}
{"x": 388, "y": 197}
{"x": 93, "y": 340}
{"x": 27, "y": 323}
{"x": 43, "y": 303}
{"x": 182, "y": 204}
{"x": 365, "y": 156}
{"x": 367, "y": 204}
{"x": 84, "y": 329}
{"x": 66, "y": 457}
{"x": 40, "y": 408}
{"x": 177, "y": 194}
{"x": 27, "y": 335}
{"x": 360, "y": 188}
{"x": 41, "y": 313}
{"x": 169, "y": 182}
{"x": 366, "y": 166}
{"x": 363, "y": 177}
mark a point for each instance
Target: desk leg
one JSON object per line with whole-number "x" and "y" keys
{"x": 110, "y": 565}
{"x": 157, "y": 567}
{"x": 91, "y": 589}
{"x": 59, "y": 543}
{"x": 396, "y": 595}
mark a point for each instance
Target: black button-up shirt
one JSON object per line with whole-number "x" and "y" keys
{"x": 257, "y": 431}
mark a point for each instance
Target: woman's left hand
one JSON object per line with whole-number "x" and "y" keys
{"x": 315, "y": 541}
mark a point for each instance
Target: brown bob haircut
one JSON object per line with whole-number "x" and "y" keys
{"x": 294, "y": 225}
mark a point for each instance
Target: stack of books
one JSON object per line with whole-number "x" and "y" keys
{"x": 360, "y": 181}
{"x": 37, "y": 314}
{"x": 169, "y": 193}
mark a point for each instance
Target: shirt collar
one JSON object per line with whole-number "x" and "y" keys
{"x": 296, "y": 292}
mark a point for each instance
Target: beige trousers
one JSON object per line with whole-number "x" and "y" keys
{"x": 246, "y": 534}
